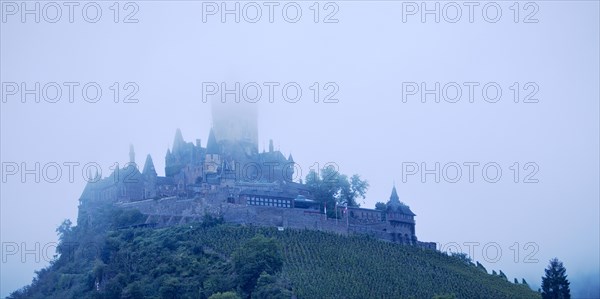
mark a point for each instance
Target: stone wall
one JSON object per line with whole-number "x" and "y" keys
{"x": 175, "y": 211}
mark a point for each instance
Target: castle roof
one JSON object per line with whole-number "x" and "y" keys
{"x": 178, "y": 141}
{"x": 212, "y": 147}
{"x": 395, "y": 205}
{"x": 149, "y": 167}
{"x": 274, "y": 156}
{"x": 394, "y": 199}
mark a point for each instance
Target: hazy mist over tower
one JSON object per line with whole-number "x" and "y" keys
{"x": 235, "y": 122}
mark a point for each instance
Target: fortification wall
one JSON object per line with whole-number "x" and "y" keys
{"x": 174, "y": 211}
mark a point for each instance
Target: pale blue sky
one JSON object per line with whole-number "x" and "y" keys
{"x": 368, "y": 54}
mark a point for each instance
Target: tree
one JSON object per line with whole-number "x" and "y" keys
{"x": 64, "y": 229}
{"x": 501, "y": 274}
{"x": 351, "y": 190}
{"x": 226, "y": 295}
{"x": 65, "y": 236}
{"x": 258, "y": 255}
{"x": 331, "y": 187}
{"x": 481, "y": 267}
{"x": 461, "y": 256}
{"x": 170, "y": 288}
{"x": 269, "y": 287}
{"x": 133, "y": 291}
{"x": 555, "y": 284}
{"x": 381, "y": 206}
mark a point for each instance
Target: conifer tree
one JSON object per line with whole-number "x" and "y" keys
{"x": 555, "y": 284}
{"x": 501, "y": 274}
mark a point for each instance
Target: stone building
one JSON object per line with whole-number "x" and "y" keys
{"x": 229, "y": 177}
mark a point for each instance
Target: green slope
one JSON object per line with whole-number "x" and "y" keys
{"x": 195, "y": 262}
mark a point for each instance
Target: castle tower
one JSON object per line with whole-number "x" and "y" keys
{"x": 289, "y": 169}
{"x": 394, "y": 199}
{"x": 149, "y": 170}
{"x": 131, "y": 155}
{"x": 402, "y": 220}
{"x": 236, "y": 123}
{"x": 213, "y": 158}
{"x": 149, "y": 175}
{"x": 178, "y": 142}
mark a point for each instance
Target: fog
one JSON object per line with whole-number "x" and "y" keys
{"x": 519, "y": 100}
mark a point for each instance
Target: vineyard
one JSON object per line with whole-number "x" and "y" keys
{"x": 196, "y": 262}
{"x": 322, "y": 265}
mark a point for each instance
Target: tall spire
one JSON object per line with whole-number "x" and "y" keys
{"x": 212, "y": 146}
{"x": 290, "y": 158}
{"x": 394, "y": 199}
{"x": 178, "y": 141}
{"x": 149, "y": 167}
{"x": 131, "y": 154}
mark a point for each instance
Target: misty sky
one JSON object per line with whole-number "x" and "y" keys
{"x": 373, "y": 130}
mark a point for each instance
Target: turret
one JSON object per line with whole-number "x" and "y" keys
{"x": 131, "y": 155}
{"x": 212, "y": 147}
{"x": 213, "y": 159}
{"x": 149, "y": 174}
{"x": 289, "y": 169}
{"x": 178, "y": 141}
{"x": 396, "y": 206}
{"x": 149, "y": 170}
{"x": 394, "y": 199}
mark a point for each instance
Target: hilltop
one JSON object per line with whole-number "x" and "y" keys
{"x": 117, "y": 259}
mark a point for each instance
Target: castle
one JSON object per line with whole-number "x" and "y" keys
{"x": 231, "y": 178}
